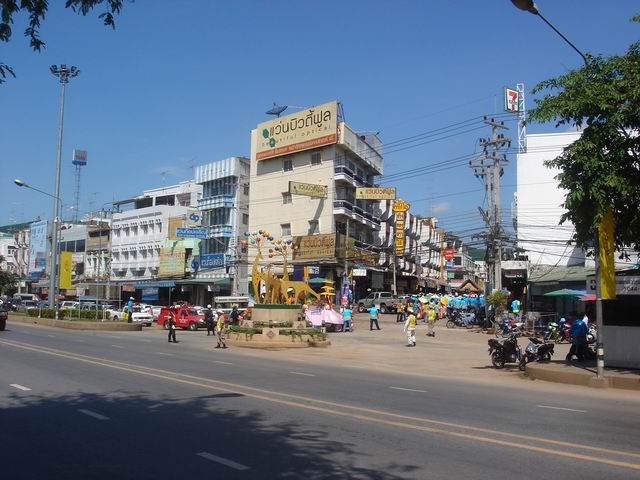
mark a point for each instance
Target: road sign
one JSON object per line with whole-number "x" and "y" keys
{"x": 192, "y": 232}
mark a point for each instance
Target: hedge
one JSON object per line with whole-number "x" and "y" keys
{"x": 68, "y": 314}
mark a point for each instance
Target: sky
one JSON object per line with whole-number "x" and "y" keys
{"x": 182, "y": 83}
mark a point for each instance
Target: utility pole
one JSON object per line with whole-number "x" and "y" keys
{"x": 489, "y": 167}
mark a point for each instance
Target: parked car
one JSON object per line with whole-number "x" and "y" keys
{"x": 28, "y": 304}
{"x": 136, "y": 317}
{"x": 69, "y": 304}
{"x": 386, "y": 300}
{"x": 3, "y": 317}
{"x": 187, "y": 317}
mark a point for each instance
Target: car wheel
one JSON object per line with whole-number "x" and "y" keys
{"x": 383, "y": 308}
{"x": 115, "y": 318}
{"x": 193, "y": 327}
{"x": 361, "y": 308}
{"x": 3, "y": 325}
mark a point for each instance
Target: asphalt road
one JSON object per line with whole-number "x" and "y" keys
{"x": 129, "y": 405}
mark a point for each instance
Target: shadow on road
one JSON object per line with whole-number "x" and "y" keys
{"x": 144, "y": 437}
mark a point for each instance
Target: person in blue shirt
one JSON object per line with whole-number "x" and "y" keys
{"x": 579, "y": 332}
{"x": 347, "y": 316}
{"x": 373, "y": 317}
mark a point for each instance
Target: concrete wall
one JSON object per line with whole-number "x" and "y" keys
{"x": 622, "y": 346}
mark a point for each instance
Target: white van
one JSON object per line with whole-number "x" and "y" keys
{"x": 27, "y": 296}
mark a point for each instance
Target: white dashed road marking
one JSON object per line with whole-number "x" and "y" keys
{"x": 167, "y": 354}
{"x": 223, "y": 363}
{"x": 223, "y": 461}
{"x": 408, "y": 389}
{"x": 117, "y": 346}
{"x": 95, "y": 415}
{"x": 20, "y": 387}
{"x": 562, "y": 408}
{"x": 303, "y": 374}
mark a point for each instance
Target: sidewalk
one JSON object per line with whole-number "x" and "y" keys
{"x": 584, "y": 373}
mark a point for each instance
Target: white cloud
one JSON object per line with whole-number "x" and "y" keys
{"x": 440, "y": 208}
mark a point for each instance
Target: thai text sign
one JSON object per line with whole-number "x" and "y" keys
{"x": 192, "y": 232}
{"x": 211, "y": 261}
{"x": 66, "y": 269}
{"x": 400, "y": 209}
{"x": 172, "y": 262}
{"x": 625, "y": 285}
{"x": 310, "y": 128}
{"x": 315, "y": 247}
{"x": 308, "y": 189}
{"x": 377, "y": 193}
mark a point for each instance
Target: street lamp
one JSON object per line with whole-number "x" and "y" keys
{"x": 531, "y": 7}
{"x": 63, "y": 73}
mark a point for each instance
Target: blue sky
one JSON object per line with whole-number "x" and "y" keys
{"x": 187, "y": 80}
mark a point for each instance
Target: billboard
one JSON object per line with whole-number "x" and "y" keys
{"x": 511, "y": 100}
{"x": 79, "y": 157}
{"x": 37, "y": 250}
{"x": 172, "y": 262}
{"x": 211, "y": 261}
{"x": 315, "y": 247}
{"x": 310, "y": 128}
{"x": 308, "y": 189}
{"x": 376, "y": 193}
{"x": 150, "y": 293}
{"x": 66, "y": 270}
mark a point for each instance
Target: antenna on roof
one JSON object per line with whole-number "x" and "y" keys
{"x": 276, "y": 109}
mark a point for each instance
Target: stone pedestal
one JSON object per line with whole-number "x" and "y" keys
{"x": 275, "y": 313}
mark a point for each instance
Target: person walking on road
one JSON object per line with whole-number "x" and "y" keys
{"x": 347, "y": 317}
{"x": 221, "y": 331}
{"x": 234, "y": 316}
{"x": 209, "y": 320}
{"x": 431, "y": 321}
{"x": 400, "y": 309}
{"x": 373, "y": 317}
{"x": 579, "y": 332}
{"x": 410, "y": 328}
{"x": 172, "y": 327}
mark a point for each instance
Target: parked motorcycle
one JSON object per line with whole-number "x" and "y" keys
{"x": 507, "y": 351}
{"x": 461, "y": 319}
{"x": 536, "y": 350}
{"x": 509, "y": 328}
{"x": 551, "y": 333}
{"x": 564, "y": 332}
{"x": 592, "y": 335}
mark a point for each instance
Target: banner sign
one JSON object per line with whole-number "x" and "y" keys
{"x": 315, "y": 247}
{"x": 378, "y": 193}
{"x": 511, "y": 100}
{"x": 400, "y": 209}
{"x": 449, "y": 253}
{"x": 37, "y": 250}
{"x": 310, "y": 128}
{"x": 172, "y": 262}
{"x": 308, "y": 189}
{"x": 359, "y": 272}
{"x": 149, "y": 294}
{"x": 625, "y": 285}
{"x": 65, "y": 269}
{"x": 192, "y": 232}
{"x": 211, "y": 261}
{"x": 79, "y": 157}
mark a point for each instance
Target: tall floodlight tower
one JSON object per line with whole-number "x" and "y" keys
{"x": 79, "y": 161}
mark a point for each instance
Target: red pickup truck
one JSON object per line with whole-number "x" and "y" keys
{"x": 186, "y": 318}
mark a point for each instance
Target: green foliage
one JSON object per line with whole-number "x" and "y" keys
{"x": 8, "y": 281}
{"x": 602, "y": 168}
{"x": 498, "y": 300}
{"x": 66, "y": 314}
{"x": 36, "y": 11}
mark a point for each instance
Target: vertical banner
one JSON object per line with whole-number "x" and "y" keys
{"x": 606, "y": 247}
{"x": 66, "y": 267}
{"x": 400, "y": 209}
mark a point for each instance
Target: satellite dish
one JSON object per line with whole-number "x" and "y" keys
{"x": 276, "y": 110}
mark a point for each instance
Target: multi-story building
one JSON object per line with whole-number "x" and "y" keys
{"x": 224, "y": 207}
{"x": 432, "y": 242}
{"x": 146, "y": 255}
{"x": 305, "y": 168}
{"x": 8, "y": 248}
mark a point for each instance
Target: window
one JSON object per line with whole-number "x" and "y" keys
{"x": 286, "y": 229}
{"x": 245, "y": 219}
{"x": 79, "y": 246}
{"x": 246, "y": 189}
{"x": 286, "y": 198}
{"x": 316, "y": 158}
{"x": 287, "y": 165}
{"x": 313, "y": 227}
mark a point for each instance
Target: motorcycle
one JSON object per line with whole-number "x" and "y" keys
{"x": 592, "y": 335}
{"x": 464, "y": 319}
{"x": 536, "y": 350}
{"x": 507, "y": 351}
{"x": 509, "y": 328}
{"x": 551, "y": 333}
{"x": 564, "y": 333}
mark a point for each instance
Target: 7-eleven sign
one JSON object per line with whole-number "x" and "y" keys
{"x": 511, "y": 100}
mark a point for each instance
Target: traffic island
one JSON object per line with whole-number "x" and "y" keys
{"x": 78, "y": 324}
{"x": 584, "y": 374}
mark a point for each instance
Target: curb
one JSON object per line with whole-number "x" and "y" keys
{"x": 79, "y": 325}
{"x": 573, "y": 376}
{"x": 267, "y": 345}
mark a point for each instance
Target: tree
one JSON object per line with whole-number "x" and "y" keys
{"x": 601, "y": 170}
{"x": 8, "y": 280}
{"x": 36, "y": 10}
